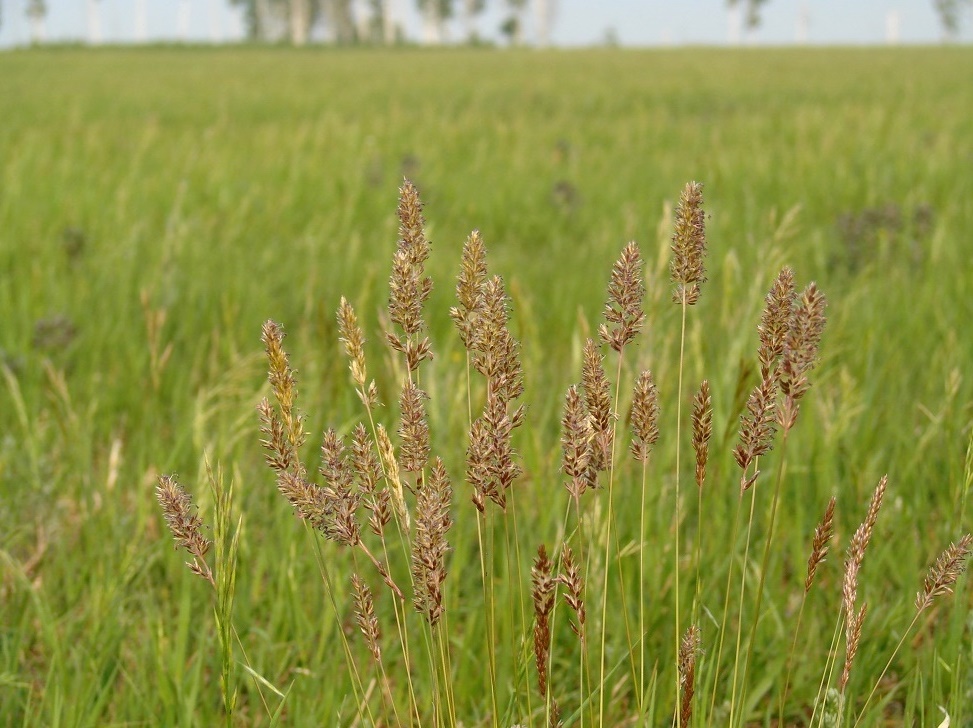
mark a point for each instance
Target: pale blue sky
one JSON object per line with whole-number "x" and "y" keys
{"x": 578, "y": 22}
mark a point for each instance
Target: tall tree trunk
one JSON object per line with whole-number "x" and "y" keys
{"x": 431, "y": 24}
{"x": 299, "y": 19}
{"x": 94, "y": 22}
{"x": 545, "y": 11}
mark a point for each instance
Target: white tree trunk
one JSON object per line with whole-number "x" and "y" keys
{"x": 734, "y": 23}
{"x": 300, "y": 17}
{"x": 545, "y": 11}
{"x": 37, "y": 31}
{"x": 182, "y": 20}
{"x": 141, "y": 22}
{"x": 432, "y": 26}
{"x": 388, "y": 22}
{"x": 94, "y": 22}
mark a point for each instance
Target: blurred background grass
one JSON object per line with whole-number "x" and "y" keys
{"x": 157, "y": 205}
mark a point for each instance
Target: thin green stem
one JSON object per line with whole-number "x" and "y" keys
{"x": 678, "y": 634}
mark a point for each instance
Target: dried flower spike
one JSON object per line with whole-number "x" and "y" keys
{"x": 365, "y": 616}
{"x": 574, "y": 596}
{"x": 429, "y": 546}
{"x": 184, "y": 524}
{"x": 775, "y": 321}
{"x": 542, "y": 592}
{"x": 623, "y": 311}
{"x": 944, "y": 573}
{"x": 576, "y": 436}
{"x": 688, "y": 652}
{"x": 645, "y": 416}
{"x": 800, "y": 352}
{"x": 597, "y": 396}
{"x": 702, "y": 429}
{"x": 688, "y": 246}
{"x": 819, "y": 544}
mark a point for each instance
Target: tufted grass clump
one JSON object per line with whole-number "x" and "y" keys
{"x": 577, "y": 590}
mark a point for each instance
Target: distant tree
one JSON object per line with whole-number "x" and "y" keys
{"x": 751, "y": 12}
{"x": 949, "y": 15}
{"x": 36, "y": 11}
{"x": 472, "y": 8}
{"x": 513, "y": 27}
{"x": 435, "y": 13}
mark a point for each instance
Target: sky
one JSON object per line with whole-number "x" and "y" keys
{"x": 577, "y": 22}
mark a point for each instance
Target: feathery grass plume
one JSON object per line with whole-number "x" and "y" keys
{"x": 283, "y": 383}
{"x": 429, "y": 546}
{"x": 495, "y": 352}
{"x": 800, "y": 352}
{"x": 688, "y": 246}
{"x": 478, "y": 463}
{"x": 574, "y": 596}
{"x": 280, "y": 456}
{"x": 576, "y": 437}
{"x": 775, "y": 322}
{"x": 688, "y": 652}
{"x": 369, "y": 472}
{"x": 469, "y": 286}
{"x": 413, "y": 429}
{"x": 542, "y": 593}
{"x": 757, "y": 429}
{"x": 819, "y": 544}
{"x": 365, "y": 616}
{"x": 702, "y": 429}
{"x": 354, "y": 343}
{"x": 387, "y": 452}
{"x": 409, "y": 287}
{"x": 184, "y": 524}
{"x": 623, "y": 310}
{"x": 645, "y": 416}
{"x": 944, "y": 573}
{"x": 849, "y": 586}
{"x": 311, "y": 502}
{"x": 597, "y": 397}
{"x": 342, "y": 526}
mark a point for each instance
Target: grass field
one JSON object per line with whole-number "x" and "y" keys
{"x": 157, "y": 206}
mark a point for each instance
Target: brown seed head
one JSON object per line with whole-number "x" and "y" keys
{"x": 574, "y": 596}
{"x": 944, "y": 573}
{"x": 702, "y": 429}
{"x": 542, "y": 592}
{"x": 413, "y": 429}
{"x": 283, "y": 383}
{"x": 429, "y": 546}
{"x": 623, "y": 310}
{"x": 184, "y": 524}
{"x": 469, "y": 286}
{"x": 689, "y": 246}
{"x": 576, "y": 437}
{"x": 819, "y": 544}
{"x": 800, "y": 352}
{"x": 689, "y": 650}
{"x": 645, "y": 416}
{"x": 757, "y": 429}
{"x": 774, "y": 322}
{"x": 365, "y": 616}
{"x": 597, "y": 395}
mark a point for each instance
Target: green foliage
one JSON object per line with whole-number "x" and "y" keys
{"x": 156, "y": 206}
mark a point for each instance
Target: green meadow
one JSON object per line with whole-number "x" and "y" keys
{"x": 157, "y": 206}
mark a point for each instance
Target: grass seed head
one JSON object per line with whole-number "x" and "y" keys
{"x": 623, "y": 310}
{"x": 689, "y": 246}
